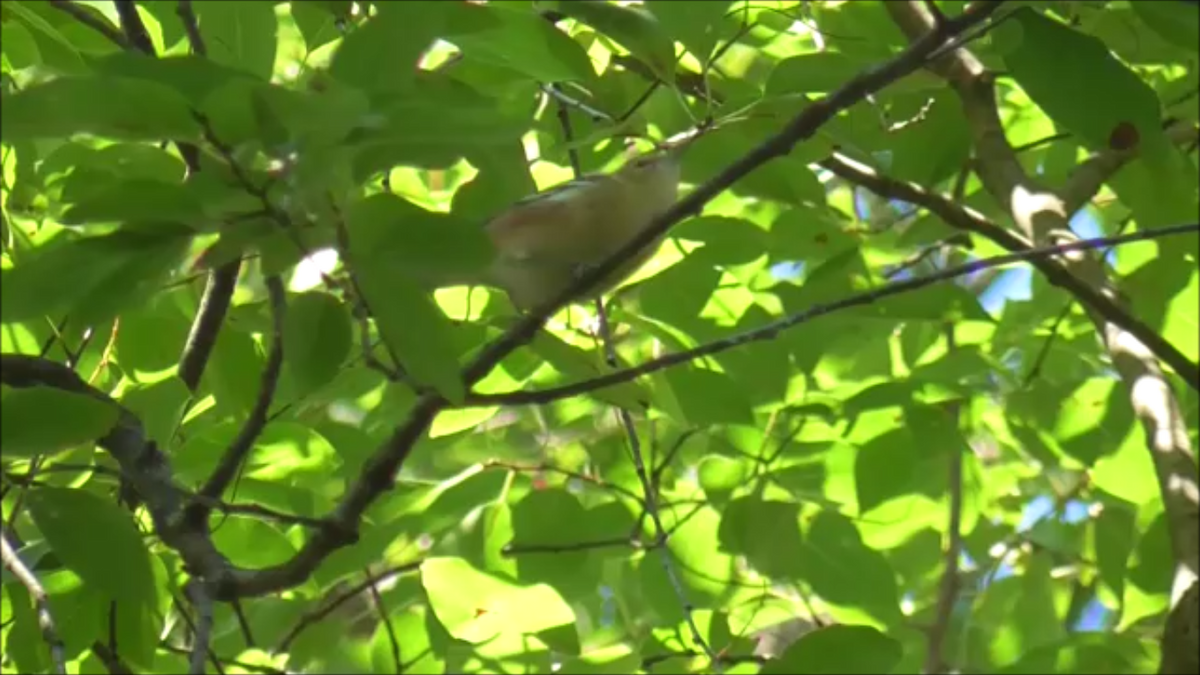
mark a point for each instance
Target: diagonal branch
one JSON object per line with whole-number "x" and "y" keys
{"x": 800, "y": 128}
{"x": 236, "y": 453}
{"x": 13, "y": 563}
{"x": 92, "y": 19}
{"x": 963, "y": 218}
{"x": 1087, "y": 178}
{"x": 772, "y": 330}
{"x": 218, "y": 291}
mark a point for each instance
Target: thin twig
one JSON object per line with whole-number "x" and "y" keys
{"x": 111, "y": 660}
{"x": 562, "y": 98}
{"x": 259, "y": 511}
{"x": 235, "y": 454}
{"x": 948, "y": 590}
{"x": 218, "y": 292}
{"x": 514, "y": 550}
{"x": 772, "y": 330}
{"x": 649, "y": 500}
{"x": 45, "y": 618}
{"x": 337, "y": 600}
{"x": 386, "y": 618}
{"x": 93, "y": 20}
{"x": 202, "y": 337}
{"x": 362, "y": 309}
{"x": 551, "y": 468}
{"x": 965, "y": 219}
{"x": 244, "y": 665}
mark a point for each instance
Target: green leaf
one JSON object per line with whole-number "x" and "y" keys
{"x": 1176, "y": 22}
{"x": 695, "y": 24}
{"x": 422, "y": 243}
{"x": 234, "y": 371}
{"x": 193, "y": 77}
{"x": 138, "y": 200}
{"x": 1074, "y": 78}
{"x": 1087, "y": 653}
{"x": 97, "y": 540}
{"x": 838, "y": 649}
{"x": 410, "y": 627}
{"x": 433, "y": 125}
{"x": 475, "y": 606}
{"x": 766, "y": 532}
{"x": 20, "y": 49}
{"x": 97, "y": 277}
{"x": 253, "y": 542}
{"x": 552, "y": 518}
{"x": 316, "y": 23}
{"x": 720, "y": 475}
{"x": 581, "y": 365}
{"x": 381, "y": 55}
{"x": 151, "y": 336}
{"x": 39, "y": 420}
{"x": 635, "y": 28}
{"x": 240, "y": 34}
{"x": 844, "y": 571}
{"x": 1157, "y": 199}
{"x": 727, "y": 241}
{"x": 412, "y": 326}
{"x": 708, "y": 397}
{"x": 312, "y": 118}
{"x": 24, "y": 643}
{"x": 116, "y": 107}
{"x": 818, "y": 72}
{"x": 693, "y": 532}
{"x": 1035, "y": 615}
{"x": 518, "y": 40}
{"x": 930, "y": 150}
{"x": 316, "y": 338}
{"x": 55, "y": 50}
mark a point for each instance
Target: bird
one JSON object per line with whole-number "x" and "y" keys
{"x": 546, "y": 241}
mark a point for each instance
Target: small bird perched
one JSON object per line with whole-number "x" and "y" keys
{"x": 548, "y": 240}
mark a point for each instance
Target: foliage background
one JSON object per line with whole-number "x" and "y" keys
{"x": 824, "y": 477}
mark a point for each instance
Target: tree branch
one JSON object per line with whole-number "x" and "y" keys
{"x": 1087, "y": 178}
{"x": 935, "y": 661}
{"x": 26, "y": 578}
{"x": 142, "y": 463}
{"x": 218, "y": 291}
{"x": 1041, "y": 214}
{"x": 772, "y": 330}
{"x": 1056, "y": 272}
{"x": 235, "y": 454}
{"x": 92, "y": 19}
